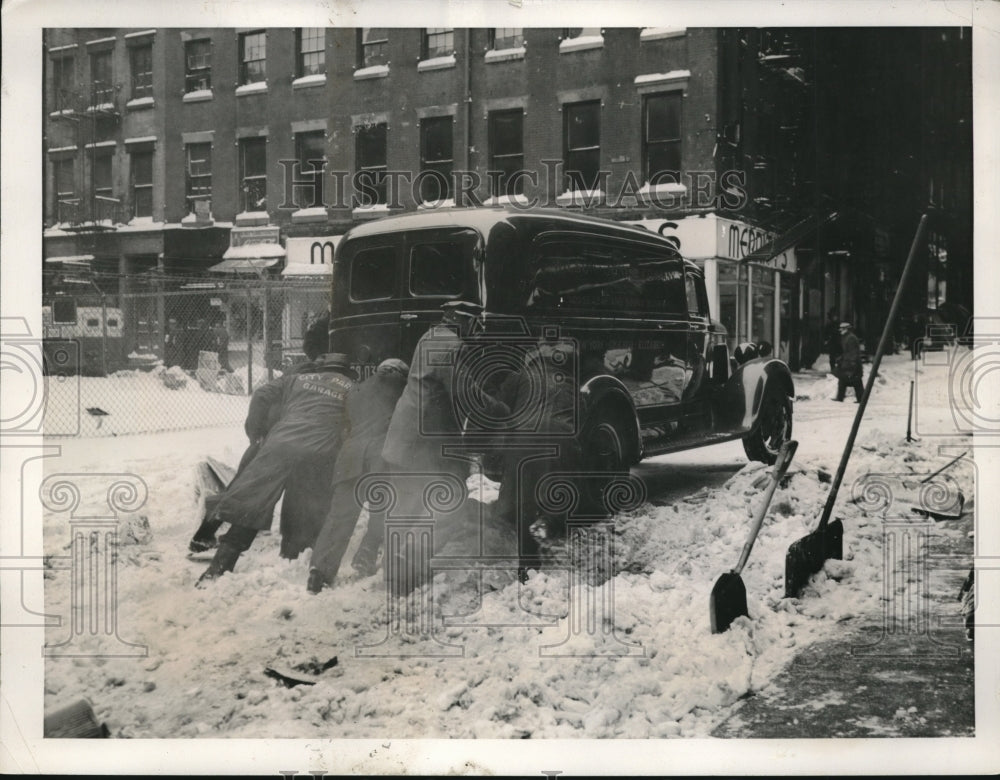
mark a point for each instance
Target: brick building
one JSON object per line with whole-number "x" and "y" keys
{"x": 233, "y": 152}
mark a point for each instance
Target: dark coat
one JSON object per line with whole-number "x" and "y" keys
{"x": 312, "y": 414}
{"x": 300, "y": 447}
{"x": 425, "y": 417}
{"x": 265, "y": 406}
{"x": 833, "y": 343}
{"x": 369, "y": 407}
{"x": 542, "y": 397}
{"x": 849, "y": 365}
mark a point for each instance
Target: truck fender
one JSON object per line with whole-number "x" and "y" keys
{"x": 744, "y": 391}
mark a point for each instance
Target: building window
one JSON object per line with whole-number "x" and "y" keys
{"x": 373, "y": 46}
{"x": 141, "y": 63}
{"x": 582, "y": 145}
{"x": 310, "y": 47}
{"x": 62, "y": 83}
{"x": 102, "y": 176}
{"x": 371, "y": 164}
{"x": 506, "y": 152}
{"x": 661, "y": 138}
{"x": 253, "y": 173}
{"x": 141, "y": 182}
{"x": 64, "y": 185}
{"x": 437, "y": 42}
{"x": 310, "y": 151}
{"x": 198, "y": 173}
{"x": 100, "y": 76}
{"x": 253, "y": 57}
{"x": 436, "y": 157}
{"x": 506, "y": 38}
{"x": 762, "y": 305}
{"x": 197, "y": 65}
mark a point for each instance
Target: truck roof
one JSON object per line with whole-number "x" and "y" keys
{"x": 484, "y": 218}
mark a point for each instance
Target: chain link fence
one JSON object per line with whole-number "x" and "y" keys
{"x": 124, "y": 356}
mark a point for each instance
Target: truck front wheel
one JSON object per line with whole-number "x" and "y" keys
{"x": 774, "y": 428}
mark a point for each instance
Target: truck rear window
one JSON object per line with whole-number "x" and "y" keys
{"x": 438, "y": 269}
{"x": 373, "y": 274}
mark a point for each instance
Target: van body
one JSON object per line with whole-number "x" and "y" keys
{"x": 653, "y": 370}
{"x": 85, "y": 340}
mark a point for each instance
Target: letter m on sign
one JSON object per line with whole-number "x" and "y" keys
{"x": 318, "y": 252}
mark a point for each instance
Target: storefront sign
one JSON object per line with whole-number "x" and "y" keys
{"x": 711, "y": 236}
{"x": 243, "y": 236}
{"x": 310, "y": 256}
{"x": 736, "y": 240}
{"x": 694, "y": 237}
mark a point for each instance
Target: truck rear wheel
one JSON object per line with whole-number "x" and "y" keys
{"x": 604, "y": 454}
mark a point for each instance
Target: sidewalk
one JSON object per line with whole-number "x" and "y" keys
{"x": 872, "y": 683}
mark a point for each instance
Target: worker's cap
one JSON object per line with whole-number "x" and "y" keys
{"x": 845, "y": 326}
{"x": 468, "y": 308}
{"x": 393, "y": 366}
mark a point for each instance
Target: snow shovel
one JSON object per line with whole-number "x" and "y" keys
{"x": 729, "y": 596}
{"x": 807, "y": 555}
{"x": 942, "y": 511}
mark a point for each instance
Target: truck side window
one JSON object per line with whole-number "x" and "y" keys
{"x": 438, "y": 269}
{"x": 373, "y": 274}
{"x": 661, "y": 285}
{"x": 614, "y": 277}
{"x": 697, "y": 297}
{"x": 692, "y": 294}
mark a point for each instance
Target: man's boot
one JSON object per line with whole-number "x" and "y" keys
{"x": 224, "y": 561}
{"x": 315, "y": 582}
{"x": 204, "y": 538}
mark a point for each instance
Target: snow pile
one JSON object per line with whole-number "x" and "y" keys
{"x": 138, "y": 402}
{"x": 611, "y": 639}
{"x": 174, "y": 378}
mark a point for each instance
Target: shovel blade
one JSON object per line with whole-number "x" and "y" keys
{"x": 806, "y": 556}
{"x": 728, "y": 602}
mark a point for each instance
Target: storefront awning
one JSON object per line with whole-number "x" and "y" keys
{"x": 790, "y": 238}
{"x": 308, "y": 270}
{"x": 254, "y": 252}
{"x": 246, "y": 265}
{"x": 79, "y": 261}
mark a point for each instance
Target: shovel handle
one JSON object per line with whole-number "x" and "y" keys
{"x": 945, "y": 467}
{"x": 785, "y": 456}
{"x": 876, "y": 361}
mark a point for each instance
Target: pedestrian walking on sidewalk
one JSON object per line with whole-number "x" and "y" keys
{"x": 832, "y": 338}
{"x": 849, "y": 370}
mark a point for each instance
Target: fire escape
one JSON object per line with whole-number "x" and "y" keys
{"x": 781, "y": 104}
{"x": 93, "y": 113}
